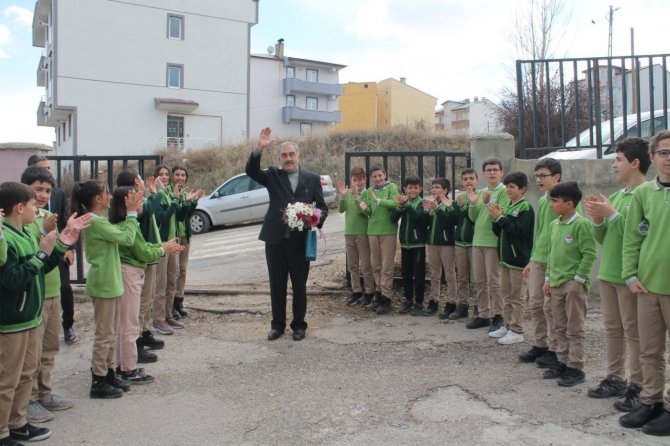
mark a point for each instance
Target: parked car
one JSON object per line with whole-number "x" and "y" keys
{"x": 240, "y": 199}
{"x": 586, "y": 150}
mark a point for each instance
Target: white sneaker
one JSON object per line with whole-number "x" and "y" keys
{"x": 499, "y": 333}
{"x": 35, "y": 413}
{"x": 511, "y": 338}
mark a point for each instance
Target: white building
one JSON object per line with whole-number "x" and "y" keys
{"x": 293, "y": 96}
{"x": 126, "y": 78}
{"x": 467, "y": 118}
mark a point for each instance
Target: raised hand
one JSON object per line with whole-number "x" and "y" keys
{"x": 159, "y": 184}
{"x": 151, "y": 184}
{"x": 486, "y": 197}
{"x": 177, "y": 190}
{"x": 264, "y": 139}
{"x": 47, "y": 242}
{"x": 461, "y": 200}
{"x": 494, "y": 210}
{"x": 599, "y": 208}
{"x": 172, "y": 247}
{"x": 401, "y": 199}
{"x": 74, "y": 226}
{"x": 195, "y": 195}
{"x": 429, "y": 204}
{"x": 341, "y": 188}
{"x": 50, "y": 222}
{"x": 373, "y": 196}
{"x": 363, "y": 206}
{"x": 446, "y": 200}
{"x": 472, "y": 194}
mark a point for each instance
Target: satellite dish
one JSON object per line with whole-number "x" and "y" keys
{"x": 271, "y": 49}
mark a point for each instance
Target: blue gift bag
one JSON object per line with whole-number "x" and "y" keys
{"x": 310, "y": 246}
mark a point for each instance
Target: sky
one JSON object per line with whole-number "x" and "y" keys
{"x": 450, "y": 49}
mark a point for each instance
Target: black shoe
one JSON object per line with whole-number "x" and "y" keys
{"x": 475, "y": 312}
{"x": 374, "y": 302}
{"x": 298, "y": 334}
{"x": 28, "y": 432}
{"x": 9, "y": 441}
{"x": 384, "y": 305}
{"x": 555, "y": 372}
{"x": 630, "y": 400}
{"x": 275, "y": 334}
{"x": 353, "y": 298}
{"x": 448, "y": 309}
{"x": 658, "y": 426}
{"x": 571, "y": 377}
{"x": 136, "y": 377}
{"x": 101, "y": 389}
{"x": 366, "y": 300}
{"x": 431, "y": 308}
{"x": 460, "y": 312}
{"x": 69, "y": 335}
{"x": 149, "y": 341}
{"x": 496, "y": 323}
{"x": 547, "y": 361}
{"x": 532, "y": 354}
{"x": 643, "y": 415}
{"x": 175, "y": 314}
{"x": 417, "y": 310}
{"x": 478, "y": 322}
{"x": 145, "y": 356}
{"x": 406, "y": 307}
{"x": 608, "y": 387}
{"x": 113, "y": 381}
{"x": 179, "y": 306}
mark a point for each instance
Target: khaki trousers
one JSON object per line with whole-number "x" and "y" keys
{"x": 128, "y": 328}
{"x": 183, "y": 265}
{"x": 47, "y": 348}
{"x": 358, "y": 259}
{"x": 464, "y": 273}
{"x": 171, "y": 282}
{"x": 486, "y": 272}
{"x": 653, "y": 317}
{"x": 148, "y": 289}
{"x": 106, "y": 316}
{"x": 540, "y": 307}
{"x": 568, "y": 306}
{"x": 442, "y": 258}
{"x": 513, "y": 286}
{"x": 18, "y": 365}
{"x": 166, "y": 268}
{"x": 382, "y": 256}
{"x": 621, "y": 334}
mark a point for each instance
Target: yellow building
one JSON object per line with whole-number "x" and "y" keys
{"x": 358, "y": 105}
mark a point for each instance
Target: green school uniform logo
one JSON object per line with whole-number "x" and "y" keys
{"x": 643, "y": 227}
{"x": 515, "y": 213}
{"x": 568, "y": 239}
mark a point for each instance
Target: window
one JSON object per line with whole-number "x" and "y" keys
{"x": 63, "y": 132}
{"x": 69, "y": 126}
{"x": 175, "y": 27}
{"x": 312, "y": 76}
{"x": 175, "y": 132}
{"x": 290, "y": 100}
{"x": 290, "y": 72}
{"x": 305, "y": 129}
{"x": 312, "y": 103}
{"x": 175, "y": 76}
{"x": 236, "y": 186}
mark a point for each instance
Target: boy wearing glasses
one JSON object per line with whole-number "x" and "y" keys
{"x": 646, "y": 253}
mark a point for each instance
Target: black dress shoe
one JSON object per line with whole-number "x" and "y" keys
{"x": 274, "y": 334}
{"x": 641, "y": 416}
{"x": 658, "y": 426}
{"x": 69, "y": 335}
{"x": 298, "y": 335}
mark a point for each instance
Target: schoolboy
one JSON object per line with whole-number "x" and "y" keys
{"x": 412, "y": 235}
{"x": 572, "y": 251}
{"x": 42, "y": 399}
{"x": 514, "y": 228}
{"x": 548, "y": 173}
{"x": 619, "y": 305}
{"x": 382, "y": 235}
{"x": 646, "y": 256}
{"x": 356, "y": 241}
{"x": 21, "y": 289}
{"x": 485, "y": 261}
{"x": 440, "y": 245}
{"x": 465, "y": 230}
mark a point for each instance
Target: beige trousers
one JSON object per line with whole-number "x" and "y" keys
{"x": 653, "y": 317}
{"x": 382, "y": 256}
{"x": 148, "y": 289}
{"x": 358, "y": 259}
{"x": 513, "y": 286}
{"x": 463, "y": 273}
{"x": 128, "y": 328}
{"x": 166, "y": 268}
{"x": 486, "y": 272}
{"x": 183, "y": 266}
{"x": 621, "y": 334}
{"x": 106, "y": 316}
{"x": 47, "y": 348}
{"x": 540, "y": 307}
{"x": 568, "y": 306}
{"x": 442, "y": 258}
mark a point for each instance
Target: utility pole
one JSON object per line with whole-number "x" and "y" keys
{"x": 634, "y": 69}
{"x": 611, "y": 22}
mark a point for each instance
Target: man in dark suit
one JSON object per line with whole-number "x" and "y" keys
{"x": 285, "y": 249}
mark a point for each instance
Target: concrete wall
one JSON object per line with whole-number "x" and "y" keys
{"x": 15, "y": 158}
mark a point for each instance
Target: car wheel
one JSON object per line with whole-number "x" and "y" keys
{"x": 200, "y": 223}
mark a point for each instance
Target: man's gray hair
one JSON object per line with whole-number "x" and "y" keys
{"x": 289, "y": 143}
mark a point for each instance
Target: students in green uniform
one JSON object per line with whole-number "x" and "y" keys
{"x": 619, "y": 305}
{"x": 646, "y": 256}
{"x": 572, "y": 251}
{"x": 514, "y": 228}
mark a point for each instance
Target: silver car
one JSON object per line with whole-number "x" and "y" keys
{"x": 241, "y": 200}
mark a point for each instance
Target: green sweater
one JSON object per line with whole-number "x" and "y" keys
{"x": 484, "y": 236}
{"x": 465, "y": 228}
{"x": 52, "y": 278}
{"x": 140, "y": 253}
{"x": 102, "y": 240}
{"x": 3, "y": 249}
{"x": 379, "y": 221}
{"x": 185, "y": 210}
{"x": 441, "y": 226}
{"x": 572, "y": 251}
{"x": 147, "y": 220}
{"x": 515, "y": 234}
{"x": 165, "y": 216}
{"x": 413, "y": 224}
{"x": 355, "y": 220}
{"x": 646, "y": 245}
{"x": 609, "y": 233}
{"x": 544, "y": 217}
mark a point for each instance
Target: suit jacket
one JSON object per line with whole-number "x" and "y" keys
{"x": 58, "y": 205}
{"x": 276, "y": 180}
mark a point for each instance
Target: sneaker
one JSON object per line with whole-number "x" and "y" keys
{"x": 100, "y": 388}
{"x": 69, "y": 335}
{"x": 448, "y": 309}
{"x": 366, "y": 300}
{"x": 149, "y": 341}
{"x": 499, "y": 333}
{"x": 28, "y": 432}
{"x": 417, "y": 310}
{"x": 353, "y": 298}
{"x": 172, "y": 322}
{"x": 55, "y": 402}
{"x": 431, "y": 309}
{"x": 642, "y": 415}
{"x": 406, "y": 307}
{"x": 547, "y": 360}
{"x": 163, "y": 328}
{"x": 571, "y": 377}
{"x": 511, "y": 338}
{"x": 145, "y": 356}
{"x": 532, "y": 354}
{"x": 555, "y": 372}
{"x": 136, "y": 377}
{"x": 113, "y": 381}
{"x": 374, "y": 302}
{"x": 478, "y": 322}
{"x": 175, "y": 314}
{"x": 608, "y": 387}
{"x": 9, "y": 441}
{"x": 460, "y": 312}
{"x": 178, "y": 305}
{"x": 630, "y": 401}
{"x": 658, "y": 426}
{"x": 384, "y": 305}
{"x": 496, "y": 323}
{"x": 35, "y": 413}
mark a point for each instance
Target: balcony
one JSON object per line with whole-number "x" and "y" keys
{"x": 294, "y": 86}
{"x": 300, "y": 114}
{"x": 48, "y": 117}
{"x": 42, "y": 72}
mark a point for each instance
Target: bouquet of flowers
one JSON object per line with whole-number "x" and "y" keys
{"x": 299, "y": 216}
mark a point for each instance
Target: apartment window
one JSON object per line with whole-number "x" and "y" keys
{"x": 58, "y": 134}
{"x": 290, "y": 100}
{"x": 175, "y": 132}
{"x": 312, "y": 103}
{"x": 312, "y": 76}
{"x": 175, "y": 76}
{"x": 69, "y": 126}
{"x": 305, "y": 129}
{"x": 175, "y": 26}
{"x": 290, "y": 72}
{"x": 63, "y": 132}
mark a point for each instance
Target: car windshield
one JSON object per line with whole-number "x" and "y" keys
{"x": 587, "y": 138}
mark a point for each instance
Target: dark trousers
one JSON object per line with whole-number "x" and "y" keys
{"x": 66, "y": 296}
{"x": 414, "y": 273}
{"x": 287, "y": 259}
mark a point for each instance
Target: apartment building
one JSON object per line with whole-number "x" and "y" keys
{"x": 129, "y": 77}
{"x": 467, "y": 118}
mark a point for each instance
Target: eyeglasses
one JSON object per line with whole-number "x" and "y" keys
{"x": 663, "y": 154}
{"x": 491, "y": 170}
{"x": 542, "y": 176}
